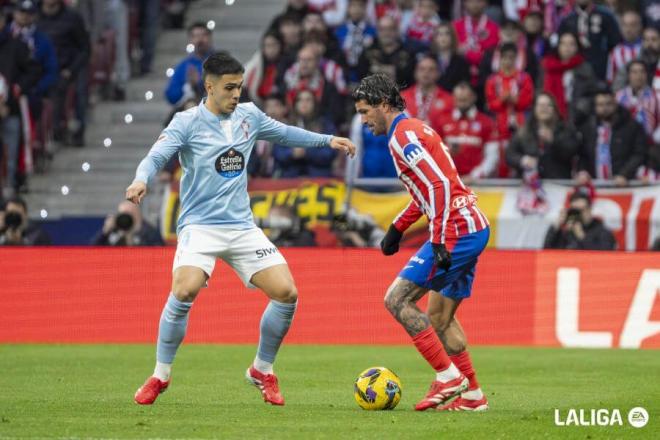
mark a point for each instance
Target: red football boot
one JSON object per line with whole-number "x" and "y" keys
{"x": 267, "y": 384}
{"x": 147, "y": 393}
{"x": 440, "y": 392}
{"x": 462, "y": 404}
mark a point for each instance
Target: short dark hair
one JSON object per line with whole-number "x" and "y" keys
{"x": 602, "y": 88}
{"x": 198, "y": 25}
{"x": 578, "y": 194}
{"x": 632, "y": 63}
{"x": 508, "y": 47}
{"x": 221, "y": 63}
{"x": 17, "y": 200}
{"x": 379, "y": 89}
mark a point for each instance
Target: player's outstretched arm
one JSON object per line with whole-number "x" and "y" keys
{"x": 136, "y": 191}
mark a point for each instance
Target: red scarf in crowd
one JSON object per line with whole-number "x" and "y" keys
{"x": 553, "y": 81}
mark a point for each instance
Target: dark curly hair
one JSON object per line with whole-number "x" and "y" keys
{"x": 379, "y": 89}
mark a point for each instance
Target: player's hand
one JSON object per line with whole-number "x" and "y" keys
{"x": 390, "y": 243}
{"x": 343, "y": 144}
{"x": 136, "y": 192}
{"x": 441, "y": 256}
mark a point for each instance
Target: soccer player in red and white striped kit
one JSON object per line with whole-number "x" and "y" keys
{"x": 445, "y": 264}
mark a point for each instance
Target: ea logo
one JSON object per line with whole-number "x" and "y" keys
{"x": 638, "y": 417}
{"x": 230, "y": 163}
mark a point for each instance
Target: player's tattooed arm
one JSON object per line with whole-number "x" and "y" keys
{"x": 401, "y": 302}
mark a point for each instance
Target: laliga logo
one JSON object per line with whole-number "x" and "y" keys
{"x": 638, "y": 417}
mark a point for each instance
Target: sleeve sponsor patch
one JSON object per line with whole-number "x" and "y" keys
{"x": 413, "y": 153}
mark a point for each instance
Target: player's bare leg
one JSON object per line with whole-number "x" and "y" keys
{"x": 401, "y": 301}
{"x": 277, "y": 283}
{"x": 186, "y": 284}
{"x": 441, "y": 311}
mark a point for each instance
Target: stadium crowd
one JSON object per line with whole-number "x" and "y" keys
{"x": 530, "y": 89}
{"x": 58, "y": 56}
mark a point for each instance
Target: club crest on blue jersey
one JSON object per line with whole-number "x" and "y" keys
{"x": 413, "y": 153}
{"x": 230, "y": 164}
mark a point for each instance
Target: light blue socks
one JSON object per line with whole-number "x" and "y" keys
{"x": 172, "y": 328}
{"x": 275, "y": 323}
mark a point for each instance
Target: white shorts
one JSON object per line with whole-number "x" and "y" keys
{"x": 247, "y": 251}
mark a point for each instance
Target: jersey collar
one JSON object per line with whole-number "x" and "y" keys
{"x": 209, "y": 115}
{"x": 396, "y": 120}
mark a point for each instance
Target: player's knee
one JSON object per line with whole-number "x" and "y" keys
{"x": 287, "y": 294}
{"x": 184, "y": 290}
{"x": 391, "y": 300}
{"x": 440, "y": 321}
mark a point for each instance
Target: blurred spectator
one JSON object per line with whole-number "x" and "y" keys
{"x": 377, "y": 9}
{"x": 19, "y": 73}
{"x": 41, "y": 50}
{"x": 16, "y": 229}
{"x": 476, "y": 34}
{"x": 295, "y": 9}
{"x": 470, "y": 135}
{"x": 650, "y": 56}
{"x": 626, "y": 51}
{"x": 264, "y": 69}
{"x": 261, "y": 161}
{"x": 314, "y": 28}
{"x": 306, "y": 74}
{"x": 355, "y": 35}
{"x": 452, "y": 66}
{"x": 333, "y": 11}
{"x": 418, "y": 33}
{"x": 126, "y": 227}
{"x": 509, "y": 93}
{"x": 614, "y": 144}
{"x": 545, "y": 144}
{"x": 597, "y": 31}
{"x": 532, "y": 24}
{"x": 525, "y": 59}
{"x": 305, "y": 162}
{"x": 353, "y": 229}
{"x": 286, "y": 229}
{"x": 388, "y": 55}
{"x": 149, "y": 20}
{"x": 577, "y": 228}
{"x": 373, "y": 155}
{"x": 290, "y": 28}
{"x": 186, "y": 82}
{"x": 110, "y": 14}
{"x": 425, "y": 100}
{"x": 332, "y": 69}
{"x": 66, "y": 29}
{"x": 640, "y": 100}
{"x": 568, "y": 78}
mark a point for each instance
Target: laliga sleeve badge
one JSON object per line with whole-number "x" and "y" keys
{"x": 230, "y": 164}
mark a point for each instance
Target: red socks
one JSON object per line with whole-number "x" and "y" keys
{"x": 464, "y": 363}
{"x": 429, "y": 346}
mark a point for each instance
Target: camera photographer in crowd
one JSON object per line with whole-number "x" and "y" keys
{"x": 576, "y": 228}
{"x": 286, "y": 229}
{"x": 127, "y": 228}
{"x": 16, "y": 229}
{"x": 356, "y": 230}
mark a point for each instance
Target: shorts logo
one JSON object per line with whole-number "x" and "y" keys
{"x": 230, "y": 164}
{"x": 261, "y": 253}
{"x": 413, "y": 154}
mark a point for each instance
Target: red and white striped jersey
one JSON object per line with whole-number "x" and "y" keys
{"x": 425, "y": 166}
{"x": 620, "y": 56}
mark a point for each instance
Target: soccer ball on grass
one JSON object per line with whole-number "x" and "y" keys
{"x": 377, "y": 388}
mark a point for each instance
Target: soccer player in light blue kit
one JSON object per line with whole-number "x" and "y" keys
{"x": 214, "y": 141}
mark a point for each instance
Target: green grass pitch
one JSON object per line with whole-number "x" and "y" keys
{"x": 86, "y": 391}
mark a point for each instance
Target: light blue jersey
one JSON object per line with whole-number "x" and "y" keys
{"x": 213, "y": 152}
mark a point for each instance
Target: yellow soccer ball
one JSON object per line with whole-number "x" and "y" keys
{"x": 377, "y": 388}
